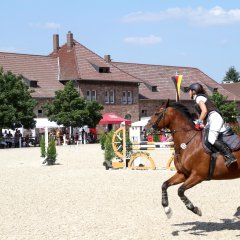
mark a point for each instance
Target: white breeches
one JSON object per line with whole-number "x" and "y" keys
{"x": 216, "y": 124}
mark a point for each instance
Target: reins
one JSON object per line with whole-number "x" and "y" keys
{"x": 183, "y": 145}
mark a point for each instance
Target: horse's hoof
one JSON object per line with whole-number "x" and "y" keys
{"x": 197, "y": 211}
{"x": 237, "y": 214}
{"x": 168, "y": 211}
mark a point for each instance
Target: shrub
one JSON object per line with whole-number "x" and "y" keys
{"x": 51, "y": 152}
{"x": 42, "y": 146}
{"x": 102, "y": 139}
{"x": 109, "y": 153}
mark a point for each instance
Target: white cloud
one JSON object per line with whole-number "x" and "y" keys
{"x": 200, "y": 16}
{"x": 149, "y": 40}
{"x": 48, "y": 25}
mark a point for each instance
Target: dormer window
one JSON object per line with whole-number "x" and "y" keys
{"x": 100, "y": 67}
{"x": 215, "y": 90}
{"x": 33, "y": 84}
{"x": 154, "y": 88}
{"x": 104, "y": 69}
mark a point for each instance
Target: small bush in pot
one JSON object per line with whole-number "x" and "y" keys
{"x": 51, "y": 152}
{"x": 42, "y": 146}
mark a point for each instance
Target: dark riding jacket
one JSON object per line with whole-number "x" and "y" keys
{"x": 209, "y": 105}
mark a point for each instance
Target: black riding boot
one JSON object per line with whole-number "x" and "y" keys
{"x": 226, "y": 151}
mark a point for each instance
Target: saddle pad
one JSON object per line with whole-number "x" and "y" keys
{"x": 233, "y": 141}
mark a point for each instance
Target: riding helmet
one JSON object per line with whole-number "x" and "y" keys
{"x": 197, "y": 87}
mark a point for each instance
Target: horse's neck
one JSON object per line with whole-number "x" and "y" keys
{"x": 181, "y": 128}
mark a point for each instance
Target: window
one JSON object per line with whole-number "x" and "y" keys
{"x": 124, "y": 97}
{"x": 40, "y": 113}
{"x": 128, "y": 116}
{"x": 144, "y": 113}
{"x": 106, "y": 96}
{"x": 33, "y": 83}
{"x": 154, "y": 88}
{"x": 91, "y": 95}
{"x": 109, "y": 97}
{"x": 111, "y": 94}
{"x": 104, "y": 69}
{"x": 129, "y": 97}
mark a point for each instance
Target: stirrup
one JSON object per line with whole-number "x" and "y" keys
{"x": 228, "y": 162}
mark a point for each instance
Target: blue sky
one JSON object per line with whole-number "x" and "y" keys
{"x": 201, "y": 34}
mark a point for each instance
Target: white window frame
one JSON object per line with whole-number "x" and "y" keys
{"x": 124, "y": 97}
{"x": 91, "y": 95}
{"x": 129, "y": 97}
{"x": 111, "y": 96}
{"x": 88, "y": 95}
{"x": 106, "y": 97}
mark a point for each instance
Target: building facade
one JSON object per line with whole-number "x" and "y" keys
{"x": 130, "y": 90}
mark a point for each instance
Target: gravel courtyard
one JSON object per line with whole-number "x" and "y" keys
{"x": 79, "y": 199}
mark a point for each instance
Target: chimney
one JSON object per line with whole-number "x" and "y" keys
{"x": 69, "y": 39}
{"x": 107, "y": 58}
{"x": 55, "y": 42}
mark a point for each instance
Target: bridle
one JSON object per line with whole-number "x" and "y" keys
{"x": 160, "y": 116}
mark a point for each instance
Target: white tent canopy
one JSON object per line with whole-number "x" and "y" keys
{"x": 44, "y": 122}
{"x": 141, "y": 123}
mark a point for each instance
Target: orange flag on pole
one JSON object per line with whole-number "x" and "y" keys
{"x": 177, "y": 80}
{"x": 178, "y": 83}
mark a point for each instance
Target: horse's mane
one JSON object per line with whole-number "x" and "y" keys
{"x": 183, "y": 109}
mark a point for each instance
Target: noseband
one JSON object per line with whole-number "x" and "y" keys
{"x": 160, "y": 116}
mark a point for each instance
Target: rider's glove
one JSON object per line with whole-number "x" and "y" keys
{"x": 199, "y": 124}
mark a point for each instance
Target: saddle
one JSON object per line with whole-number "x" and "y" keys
{"x": 228, "y": 136}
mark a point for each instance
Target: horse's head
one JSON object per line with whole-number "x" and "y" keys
{"x": 159, "y": 119}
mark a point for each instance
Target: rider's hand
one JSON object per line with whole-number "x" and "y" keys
{"x": 199, "y": 124}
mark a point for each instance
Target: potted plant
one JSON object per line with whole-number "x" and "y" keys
{"x": 102, "y": 139}
{"x": 42, "y": 146}
{"x": 108, "y": 153}
{"x": 51, "y": 152}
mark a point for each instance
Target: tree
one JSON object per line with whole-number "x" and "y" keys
{"x": 232, "y": 75}
{"x": 16, "y": 103}
{"x": 71, "y": 110}
{"x": 227, "y": 109}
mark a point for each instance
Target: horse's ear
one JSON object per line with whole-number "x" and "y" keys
{"x": 167, "y": 104}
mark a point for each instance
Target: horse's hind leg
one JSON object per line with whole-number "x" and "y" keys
{"x": 176, "y": 179}
{"x": 190, "y": 182}
{"x": 237, "y": 214}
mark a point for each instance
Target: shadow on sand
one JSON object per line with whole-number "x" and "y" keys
{"x": 203, "y": 228}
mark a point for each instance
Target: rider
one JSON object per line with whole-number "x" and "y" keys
{"x": 208, "y": 112}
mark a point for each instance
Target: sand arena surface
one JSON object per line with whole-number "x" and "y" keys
{"x": 79, "y": 199}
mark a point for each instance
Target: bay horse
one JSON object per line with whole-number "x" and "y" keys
{"x": 191, "y": 160}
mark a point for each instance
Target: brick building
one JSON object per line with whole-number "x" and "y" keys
{"x": 128, "y": 89}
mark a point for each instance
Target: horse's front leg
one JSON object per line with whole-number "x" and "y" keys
{"x": 189, "y": 183}
{"x": 176, "y": 179}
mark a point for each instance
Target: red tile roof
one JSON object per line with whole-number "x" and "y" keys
{"x": 232, "y": 87}
{"x": 78, "y": 62}
{"x": 161, "y": 76}
{"x": 34, "y": 67}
